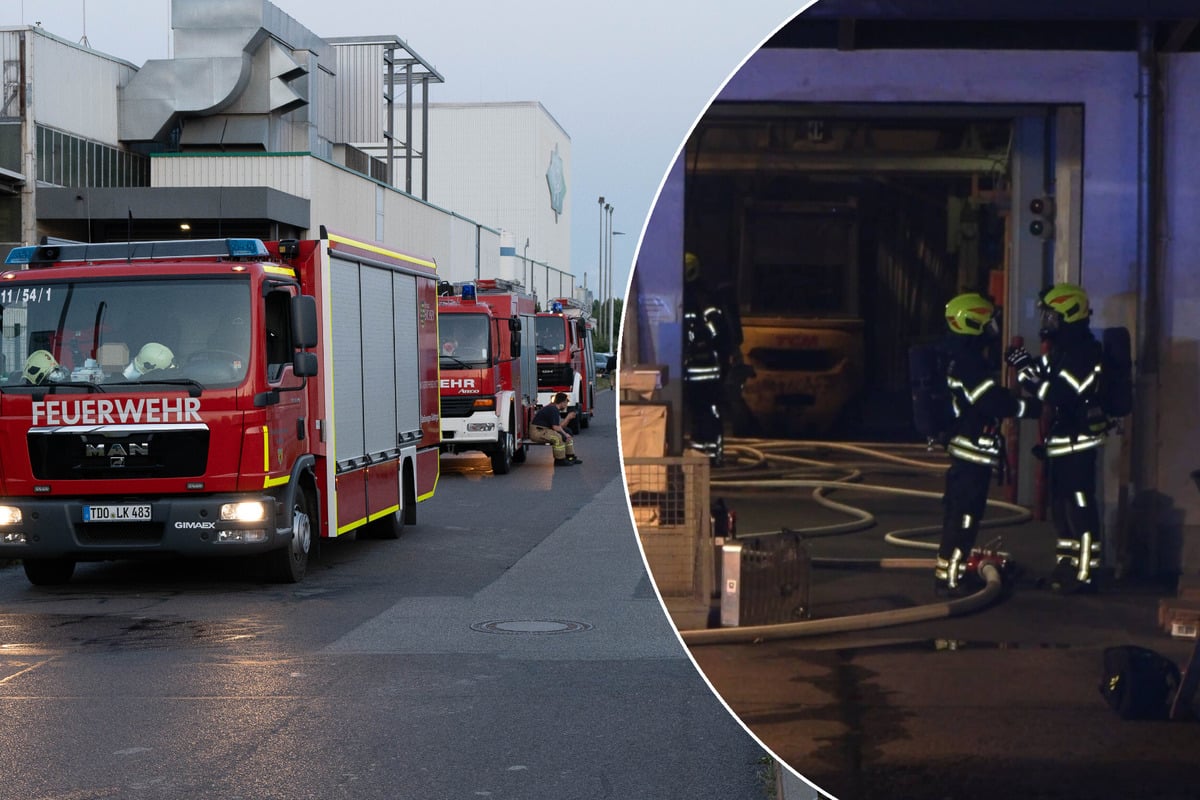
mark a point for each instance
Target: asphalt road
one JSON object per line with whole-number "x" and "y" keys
{"x": 509, "y": 645}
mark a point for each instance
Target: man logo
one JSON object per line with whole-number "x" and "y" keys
{"x": 116, "y": 453}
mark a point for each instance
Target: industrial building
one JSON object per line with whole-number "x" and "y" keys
{"x": 867, "y": 163}
{"x": 257, "y": 126}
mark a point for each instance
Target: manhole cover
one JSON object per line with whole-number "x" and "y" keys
{"x": 534, "y": 626}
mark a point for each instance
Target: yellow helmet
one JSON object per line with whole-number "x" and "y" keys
{"x": 1067, "y": 300}
{"x": 152, "y": 356}
{"x": 969, "y": 314}
{"x": 40, "y": 367}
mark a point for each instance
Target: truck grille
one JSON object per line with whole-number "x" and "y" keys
{"x": 555, "y": 375}
{"x": 457, "y": 406}
{"x": 143, "y": 454}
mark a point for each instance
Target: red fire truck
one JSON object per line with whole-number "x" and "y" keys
{"x": 565, "y": 358}
{"x": 488, "y": 369}
{"x": 213, "y": 398}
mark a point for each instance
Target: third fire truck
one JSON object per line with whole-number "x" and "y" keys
{"x": 566, "y": 361}
{"x": 488, "y": 369}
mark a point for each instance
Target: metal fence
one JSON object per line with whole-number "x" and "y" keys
{"x": 670, "y": 501}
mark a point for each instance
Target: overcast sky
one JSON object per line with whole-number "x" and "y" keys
{"x": 625, "y": 78}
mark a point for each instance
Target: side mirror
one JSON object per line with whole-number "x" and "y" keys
{"x": 514, "y": 324}
{"x": 515, "y": 343}
{"x": 304, "y": 364}
{"x": 304, "y": 321}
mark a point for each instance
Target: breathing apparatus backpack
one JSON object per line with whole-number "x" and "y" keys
{"x": 933, "y": 410}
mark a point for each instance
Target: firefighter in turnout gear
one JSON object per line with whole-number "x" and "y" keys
{"x": 1067, "y": 379}
{"x": 974, "y": 441}
{"x": 707, "y": 346}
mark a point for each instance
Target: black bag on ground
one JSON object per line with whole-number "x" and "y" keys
{"x": 1138, "y": 683}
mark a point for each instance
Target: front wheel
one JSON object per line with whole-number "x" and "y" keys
{"x": 289, "y": 563}
{"x": 574, "y": 425}
{"x": 502, "y": 455}
{"x": 49, "y": 571}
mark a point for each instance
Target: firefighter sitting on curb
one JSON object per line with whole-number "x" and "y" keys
{"x": 975, "y": 443}
{"x": 1067, "y": 378}
{"x": 548, "y": 428}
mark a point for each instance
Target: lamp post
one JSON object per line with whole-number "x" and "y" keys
{"x": 612, "y": 306}
{"x": 600, "y": 259}
{"x": 525, "y": 265}
{"x": 608, "y": 209}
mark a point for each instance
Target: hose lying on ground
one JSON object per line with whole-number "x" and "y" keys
{"x": 763, "y": 454}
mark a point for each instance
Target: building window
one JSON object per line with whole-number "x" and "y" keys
{"x": 65, "y": 160}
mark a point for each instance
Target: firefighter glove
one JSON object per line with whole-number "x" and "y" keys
{"x": 1018, "y": 358}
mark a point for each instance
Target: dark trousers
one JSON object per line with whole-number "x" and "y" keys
{"x": 1073, "y": 508}
{"x": 963, "y": 503}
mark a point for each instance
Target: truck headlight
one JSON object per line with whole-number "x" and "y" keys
{"x": 10, "y": 515}
{"x": 248, "y": 511}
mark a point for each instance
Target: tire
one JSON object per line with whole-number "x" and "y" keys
{"x": 289, "y": 563}
{"x": 389, "y": 527}
{"x": 520, "y": 453}
{"x": 573, "y": 425}
{"x": 586, "y": 419}
{"x": 49, "y": 571}
{"x": 502, "y": 455}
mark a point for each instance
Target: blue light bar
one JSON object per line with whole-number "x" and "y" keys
{"x": 556, "y": 307}
{"x": 246, "y": 248}
{"x": 46, "y": 254}
{"x": 20, "y": 255}
{"x": 468, "y": 292}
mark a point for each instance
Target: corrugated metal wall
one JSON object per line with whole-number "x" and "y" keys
{"x": 359, "y": 104}
{"x": 291, "y": 174}
{"x": 81, "y": 96}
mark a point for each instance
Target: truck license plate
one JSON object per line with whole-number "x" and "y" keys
{"x": 124, "y": 513}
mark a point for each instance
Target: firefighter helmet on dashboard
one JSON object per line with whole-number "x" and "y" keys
{"x": 40, "y": 367}
{"x": 971, "y": 314}
{"x": 152, "y": 356}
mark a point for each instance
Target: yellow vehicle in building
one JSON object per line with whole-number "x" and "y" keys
{"x": 799, "y": 305}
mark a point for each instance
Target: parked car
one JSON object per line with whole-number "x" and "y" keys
{"x": 602, "y": 362}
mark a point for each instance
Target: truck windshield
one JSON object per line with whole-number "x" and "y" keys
{"x": 125, "y": 334}
{"x": 463, "y": 341}
{"x": 551, "y": 336}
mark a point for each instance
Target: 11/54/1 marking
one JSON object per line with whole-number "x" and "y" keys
{"x": 123, "y": 513}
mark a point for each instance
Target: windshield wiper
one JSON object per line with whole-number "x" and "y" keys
{"x": 457, "y": 360}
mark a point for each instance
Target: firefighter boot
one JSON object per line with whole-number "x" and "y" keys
{"x": 563, "y": 462}
{"x": 573, "y": 460}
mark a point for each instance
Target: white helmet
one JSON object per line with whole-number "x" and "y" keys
{"x": 40, "y": 367}
{"x": 152, "y": 356}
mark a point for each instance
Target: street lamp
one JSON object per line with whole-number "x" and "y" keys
{"x": 525, "y": 266}
{"x": 608, "y": 286}
{"x": 600, "y": 261}
{"x": 612, "y": 306}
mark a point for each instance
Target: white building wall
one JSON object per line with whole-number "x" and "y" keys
{"x": 488, "y": 161}
{"x": 74, "y": 88}
{"x": 344, "y": 202}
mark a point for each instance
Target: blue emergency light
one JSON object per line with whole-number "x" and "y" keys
{"x": 121, "y": 251}
{"x": 556, "y": 307}
{"x": 468, "y": 292}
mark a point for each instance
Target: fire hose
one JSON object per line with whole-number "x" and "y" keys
{"x": 772, "y": 457}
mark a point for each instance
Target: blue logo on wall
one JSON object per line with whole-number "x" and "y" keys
{"x": 556, "y": 182}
